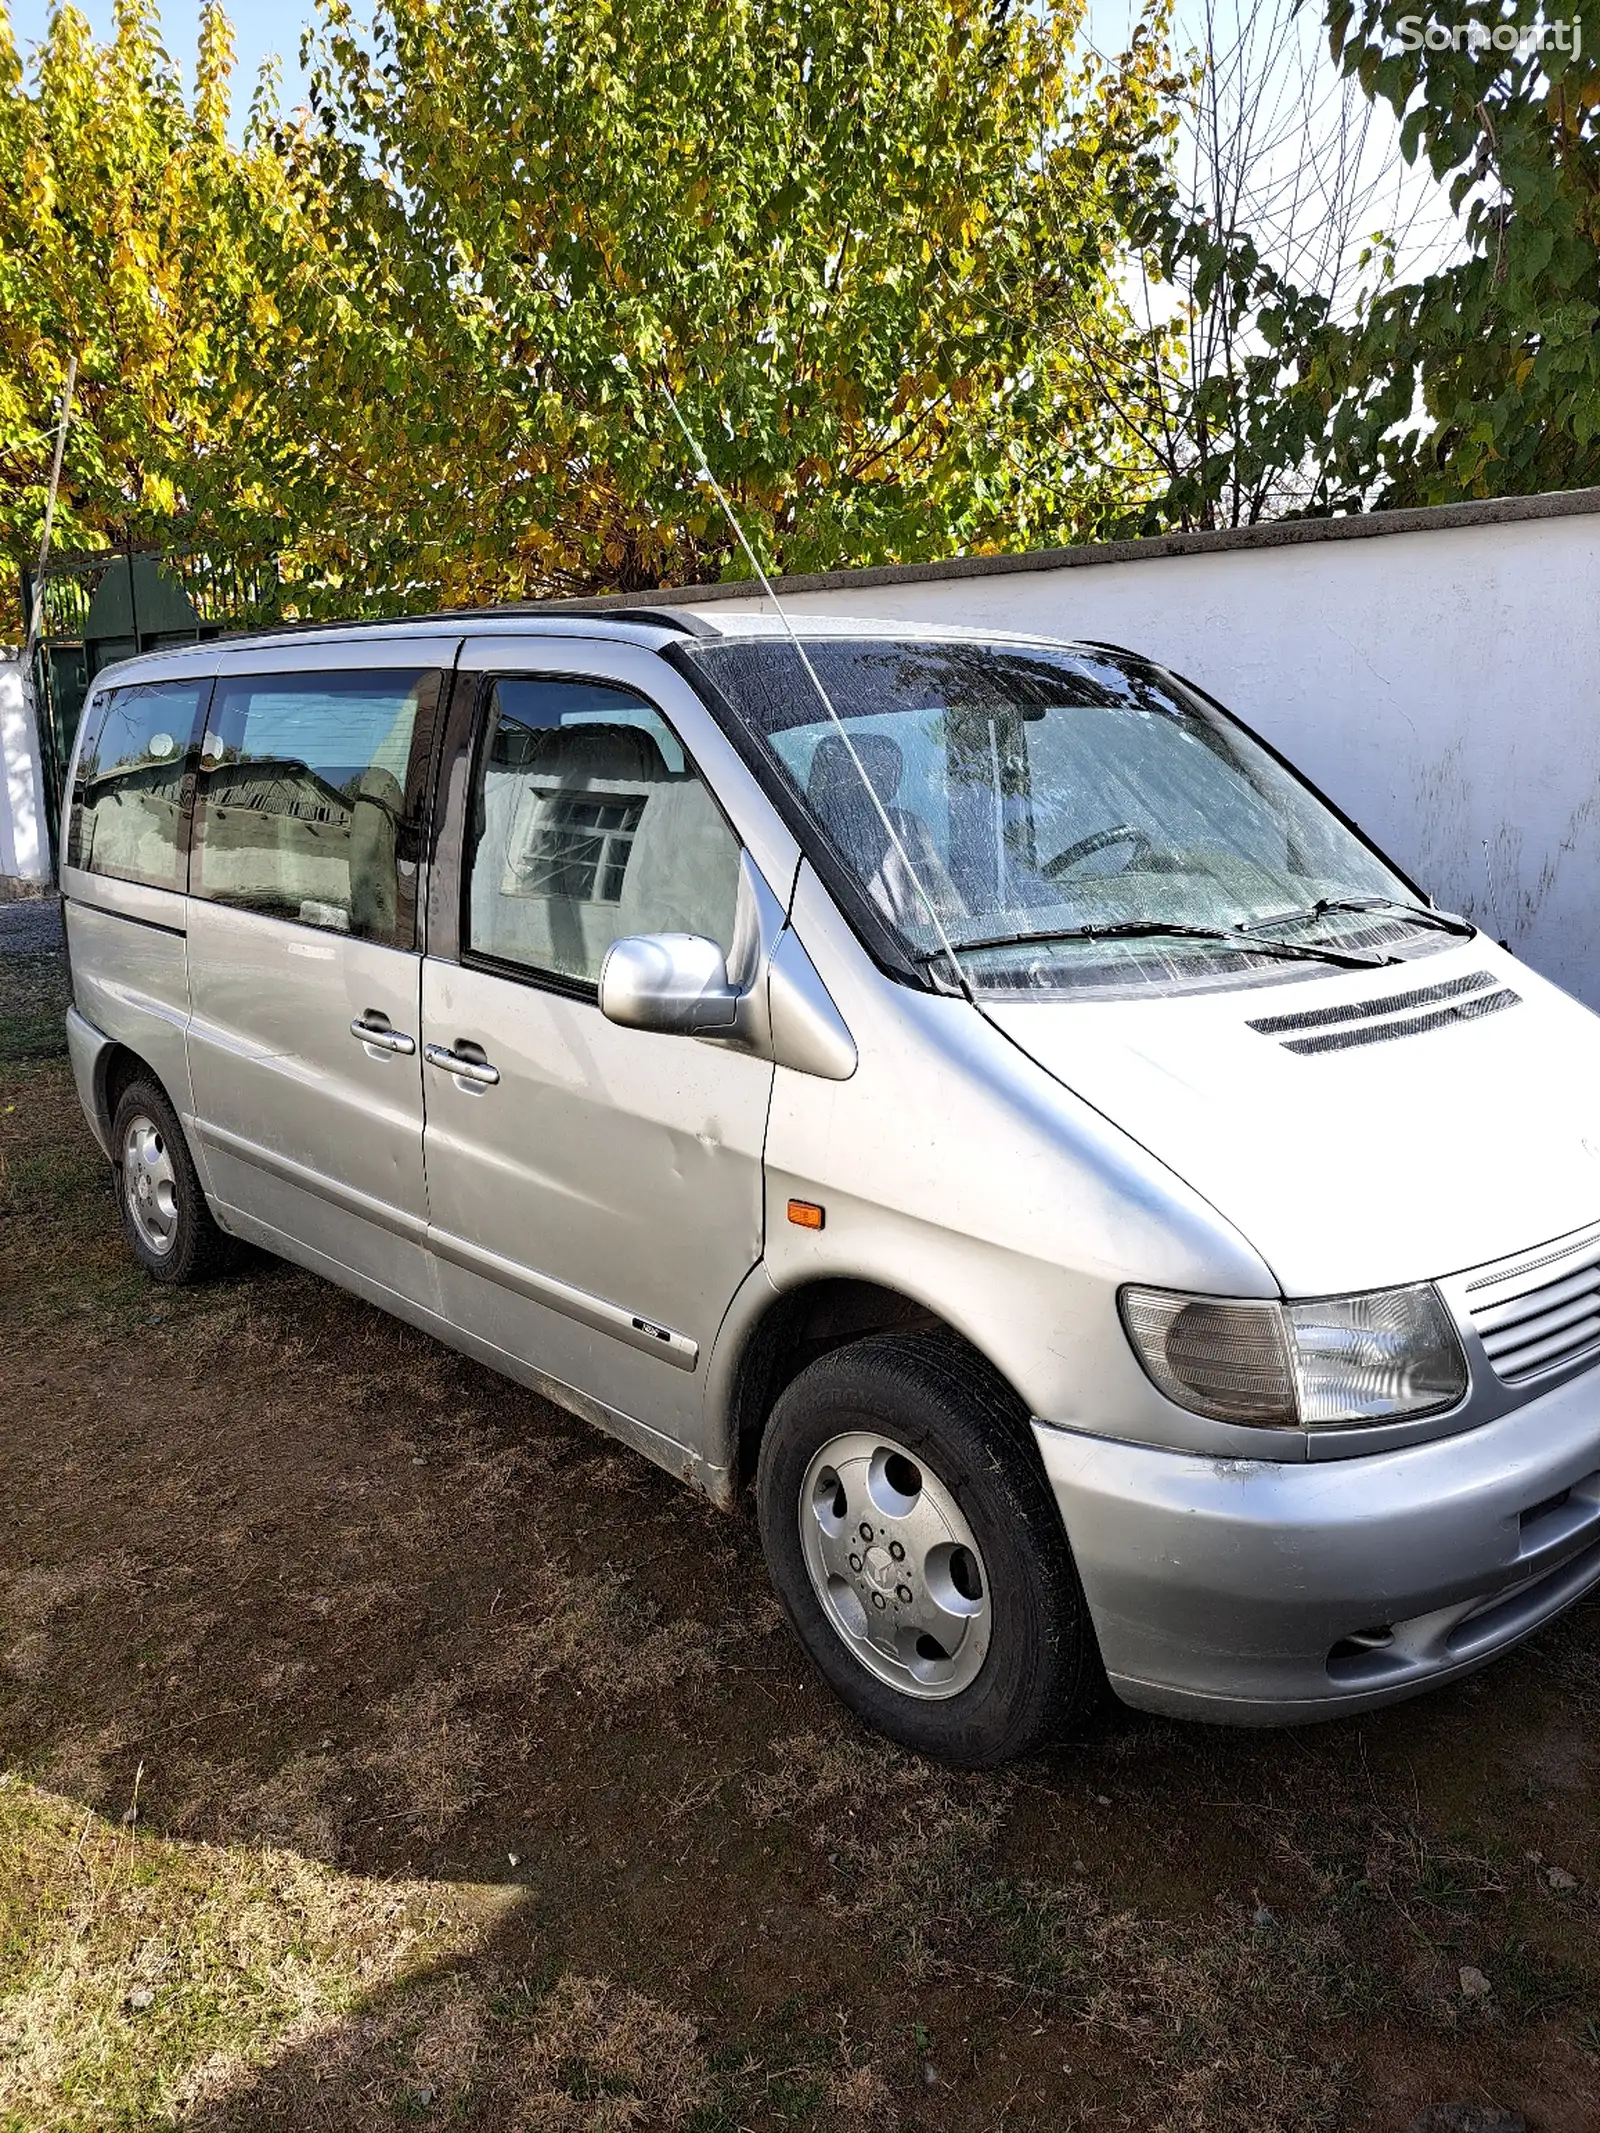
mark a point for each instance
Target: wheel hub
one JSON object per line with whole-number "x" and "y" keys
{"x": 895, "y": 1565}
{"x": 150, "y": 1185}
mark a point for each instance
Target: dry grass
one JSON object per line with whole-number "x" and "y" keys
{"x": 598, "y": 1641}
{"x": 147, "y": 1980}
{"x": 815, "y": 1770}
{"x": 592, "y": 1632}
{"x": 600, "y": 2059}
{"x": 45, "y": 1608}
{"x": 586, "y": 2056}
{"x": 300, "y": 1806}
{"x": 82, "y": 1762}
{"x": 1216, "y": 2014}
{"x": 429, "y": 1754}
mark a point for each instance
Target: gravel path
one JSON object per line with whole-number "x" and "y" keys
{"x": 31, "y": 926}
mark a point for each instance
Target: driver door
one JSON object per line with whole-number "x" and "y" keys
{"x": 595, "y": 1192}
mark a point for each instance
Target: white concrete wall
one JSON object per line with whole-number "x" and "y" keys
{"x": 24, "y": 844}
{"x": 1442, "y": 686}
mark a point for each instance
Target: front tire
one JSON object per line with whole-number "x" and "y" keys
{"x": 165, "y": 1218}
{"x": 918, "y": 1553}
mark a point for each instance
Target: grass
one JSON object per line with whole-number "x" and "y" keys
{"x": 150, "y": 1983}
{"x": 144, "y": 1983}
{"x": 1216, "y": 2010}
{"x": 143, "y": 1978}
{"x": 479, "y": 1784}
{"x": 32, "y": 1005}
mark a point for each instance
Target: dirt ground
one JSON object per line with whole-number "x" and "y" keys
{"x": 478, "y": 1749}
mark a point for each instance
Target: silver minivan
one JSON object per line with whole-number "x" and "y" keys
{"x": 967, "y": 1086}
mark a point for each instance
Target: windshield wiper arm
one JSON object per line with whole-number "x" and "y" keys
{"x": 1445, "y": 920}
{"x": 1130, "y": 929}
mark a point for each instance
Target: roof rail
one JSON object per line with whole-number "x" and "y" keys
{"x": 666, "y": 618}
{"x": 601, "y": 610}
{"x": 1104, "y": 644}
{"x": 669, "y": 618}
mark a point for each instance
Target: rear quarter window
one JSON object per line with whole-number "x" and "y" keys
{"x": 128, "y": 797}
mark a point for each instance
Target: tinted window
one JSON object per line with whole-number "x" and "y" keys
{"x": 589, "y": 823}
{"x": 128, "y": 800}
{"x": 301, "y": 808}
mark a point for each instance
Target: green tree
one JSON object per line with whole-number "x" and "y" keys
{"x": 860, "y": 239}
{"x": 1503, "y": 347}
{"x": 414, "y": 342}
{"x": 1480, "y": 378}
{"x": 131, "y": 234}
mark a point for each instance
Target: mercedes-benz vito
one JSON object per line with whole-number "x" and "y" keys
{"x": 968, "y": 1086}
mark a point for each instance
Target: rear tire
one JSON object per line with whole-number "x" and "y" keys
{"x": 165, "y": 1218}
{"x": 917, "y": 1550}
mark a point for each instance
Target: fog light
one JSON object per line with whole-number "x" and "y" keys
{"x": 1381, "y": 1357}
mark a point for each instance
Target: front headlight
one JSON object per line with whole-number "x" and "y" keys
{"x": 1387, "y": 1356}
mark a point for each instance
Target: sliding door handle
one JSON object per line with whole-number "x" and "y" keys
{"x": 380, "y": 1034}
{"x": 457, "y": 1062}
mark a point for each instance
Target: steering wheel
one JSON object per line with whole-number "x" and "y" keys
{"x": 1102, "y": 840}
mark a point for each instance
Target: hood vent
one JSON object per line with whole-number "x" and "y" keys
{"x": 1338, "y": 1028}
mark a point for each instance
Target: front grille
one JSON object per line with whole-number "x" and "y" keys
{"x": 1362, "y": 1026}
{"x": 1541, "y": 1310}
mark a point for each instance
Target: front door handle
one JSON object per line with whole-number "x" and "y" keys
{"x": 454, "y": 1062}
{"x": 371, "y": 1030}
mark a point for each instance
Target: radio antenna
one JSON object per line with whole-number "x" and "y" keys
{"x": 703, "y": 473}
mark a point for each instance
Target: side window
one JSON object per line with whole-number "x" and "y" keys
{"x": 300, "y": 807}
{"x": 127, "y": 803}
{"x": 588, "y": 823}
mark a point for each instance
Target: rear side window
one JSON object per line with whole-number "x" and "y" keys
{"x": 127, "y": 803}
{"x": 589, "y": 823}
{"x": 305, "y": 801}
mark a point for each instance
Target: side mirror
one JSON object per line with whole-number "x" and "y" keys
{"x": 675, "y": 983}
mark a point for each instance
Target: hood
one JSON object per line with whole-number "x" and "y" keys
{"x": 1388, "y": 1126}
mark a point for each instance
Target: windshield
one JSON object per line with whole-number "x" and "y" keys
{"x": 1039, "y": 797}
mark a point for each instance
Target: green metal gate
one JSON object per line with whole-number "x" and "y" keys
{"x": 114, "y": 603}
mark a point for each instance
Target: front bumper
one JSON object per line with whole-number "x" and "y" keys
{"x": 1261, "y": 1593}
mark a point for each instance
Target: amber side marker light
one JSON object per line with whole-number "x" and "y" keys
{"x": 806, "y": 1214}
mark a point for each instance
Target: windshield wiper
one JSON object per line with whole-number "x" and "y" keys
{"x": 1445, "y": 920}
{"x": 1131, "y": 929}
